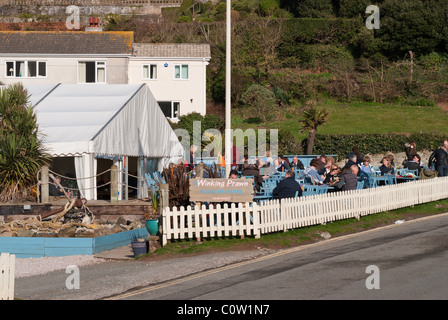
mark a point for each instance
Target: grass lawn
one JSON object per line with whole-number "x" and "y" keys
{"x": 300, "y": 236}
{"x": 364, "y": 118}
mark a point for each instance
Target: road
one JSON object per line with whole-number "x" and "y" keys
{"x": 405, "y": 261}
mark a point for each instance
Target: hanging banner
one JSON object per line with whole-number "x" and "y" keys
{"x": 221, "y": 190}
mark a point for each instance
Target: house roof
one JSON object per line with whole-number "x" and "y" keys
{"x": 66, "y": 42}
{"x": 171, "y": 50}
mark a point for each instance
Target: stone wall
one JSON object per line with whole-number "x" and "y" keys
{"x": 52, "y": 8}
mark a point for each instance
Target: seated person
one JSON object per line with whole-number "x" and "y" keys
{"x": 414, "y": 164}
{"x": 352, "y": 159}
{"x": 312, "y": 173}
{"x": 326, "y": 168}
{"x": 54, "y": 189}
{"x": 252, "y": 170}
{"x": 296, "y": 163}
{"x": 283, "y": 164}
{"x": 333, "y": 176}
{"x": 288, "y": 187}
{"x": 387, "y": 167}
{"x": 233, "y": 174}
{"x": 349, "y": 179}
{"x": 265, "y": 168}
{"x": 366, "y": 166}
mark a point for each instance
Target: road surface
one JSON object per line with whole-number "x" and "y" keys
{"x": 404, "y": 261}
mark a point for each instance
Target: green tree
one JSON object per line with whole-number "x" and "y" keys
{"x": 412, "y": 25}
{"x": 22, "y": 152}
{"x": 312, "y": 119}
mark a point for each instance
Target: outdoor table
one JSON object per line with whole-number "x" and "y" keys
{"x": 406, "y": 178}
{"x": 263, "y": 197}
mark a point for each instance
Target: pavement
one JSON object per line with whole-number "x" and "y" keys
{"x": 120, "y": 273}
{"x": 120, "y": 253}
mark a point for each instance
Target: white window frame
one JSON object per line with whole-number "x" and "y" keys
{"x": 173, "y": 117}
{"x": 98, "y": 64}
{"x": 149, "y": 65}
{"x": 25, "y": 69}
{"x": 180, "y": 65}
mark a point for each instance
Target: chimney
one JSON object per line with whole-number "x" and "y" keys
{"x": 94, "y": 25}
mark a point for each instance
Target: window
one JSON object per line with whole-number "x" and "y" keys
{"x": 92, "y": 72}
{"x": 26, "y": 69}
{"x": 170, "y": 109}
{"x": 181, "y": 71}
{"x": 150, "y": 72}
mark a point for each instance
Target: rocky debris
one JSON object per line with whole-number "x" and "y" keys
{"x": 72, "y": 221}
{"x": 153, "y": 243}
{"x": 99, "y": 228}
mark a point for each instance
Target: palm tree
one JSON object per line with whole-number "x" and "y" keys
{"x": 312, "y": 118}
{"x": 21, "y": 149}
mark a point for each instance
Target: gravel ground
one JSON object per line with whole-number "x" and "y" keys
{"x": 26, "y": 267}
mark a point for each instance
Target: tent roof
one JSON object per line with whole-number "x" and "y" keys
{"x": 115, "y": 119}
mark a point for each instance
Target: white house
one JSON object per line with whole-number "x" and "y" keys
{"x": 175, "y": 73}
{"x": 48, "y": 57}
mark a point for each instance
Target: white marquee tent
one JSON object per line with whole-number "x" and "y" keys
{"x": 88, "y": 121}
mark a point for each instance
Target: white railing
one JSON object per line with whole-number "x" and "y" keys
{"x": 274, "y": 215}
{"x": 7, "y": 273}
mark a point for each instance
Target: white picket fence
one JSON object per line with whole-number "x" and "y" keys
{"x": 7, "y": 273}
{"x": 274, "y": 215}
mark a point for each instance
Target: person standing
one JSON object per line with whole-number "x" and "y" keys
{"x": 439, "y": 158}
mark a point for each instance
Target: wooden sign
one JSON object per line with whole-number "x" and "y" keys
{"x": 221, "y": 190}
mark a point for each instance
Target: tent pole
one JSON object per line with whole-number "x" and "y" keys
{"x": 228, "y": 130}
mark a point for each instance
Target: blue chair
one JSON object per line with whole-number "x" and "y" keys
{"x": 390, "y": 179}
{"x": 322, "y": 189}
{"x": 151, "y": 183}
{"x": 360, "y": 185}
{"x": 309, "y": 190}
{"x": 158, "y": 177}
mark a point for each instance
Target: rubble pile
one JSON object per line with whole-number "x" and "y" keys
{"x": 74, "y": 220}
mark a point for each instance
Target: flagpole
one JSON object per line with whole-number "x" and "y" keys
{"x": 228, "y": 127}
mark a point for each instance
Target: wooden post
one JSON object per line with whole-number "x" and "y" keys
{"x": 45, "y": 187}
{"x": 164, "y": 196}
{"x": 113, "y": 183}
{"x": 7, "y": 270}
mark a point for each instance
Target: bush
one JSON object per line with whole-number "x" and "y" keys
{"x": 341, "y": 144}
{"x": 261, "y": 99}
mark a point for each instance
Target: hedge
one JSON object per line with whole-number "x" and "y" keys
{"x": 374, "y": 143}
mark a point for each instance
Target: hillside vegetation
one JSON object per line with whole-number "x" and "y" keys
{"x": 286, "y": 53}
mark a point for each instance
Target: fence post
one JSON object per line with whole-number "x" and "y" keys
{"x": 45, "y": 187}
{"x": 164, "y": 195}
{"x": 113, "y": 183}
{"x": 7, "y": 272}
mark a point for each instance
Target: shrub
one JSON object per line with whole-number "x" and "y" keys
{"x": 341, "y": 144}
{"x": 21, "y": 150}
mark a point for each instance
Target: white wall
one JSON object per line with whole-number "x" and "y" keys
{"x": 191, "y": 93}
{"x": 65, "y": 70}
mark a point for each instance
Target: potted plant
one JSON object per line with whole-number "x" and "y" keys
{"x": 152, "y": 222}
